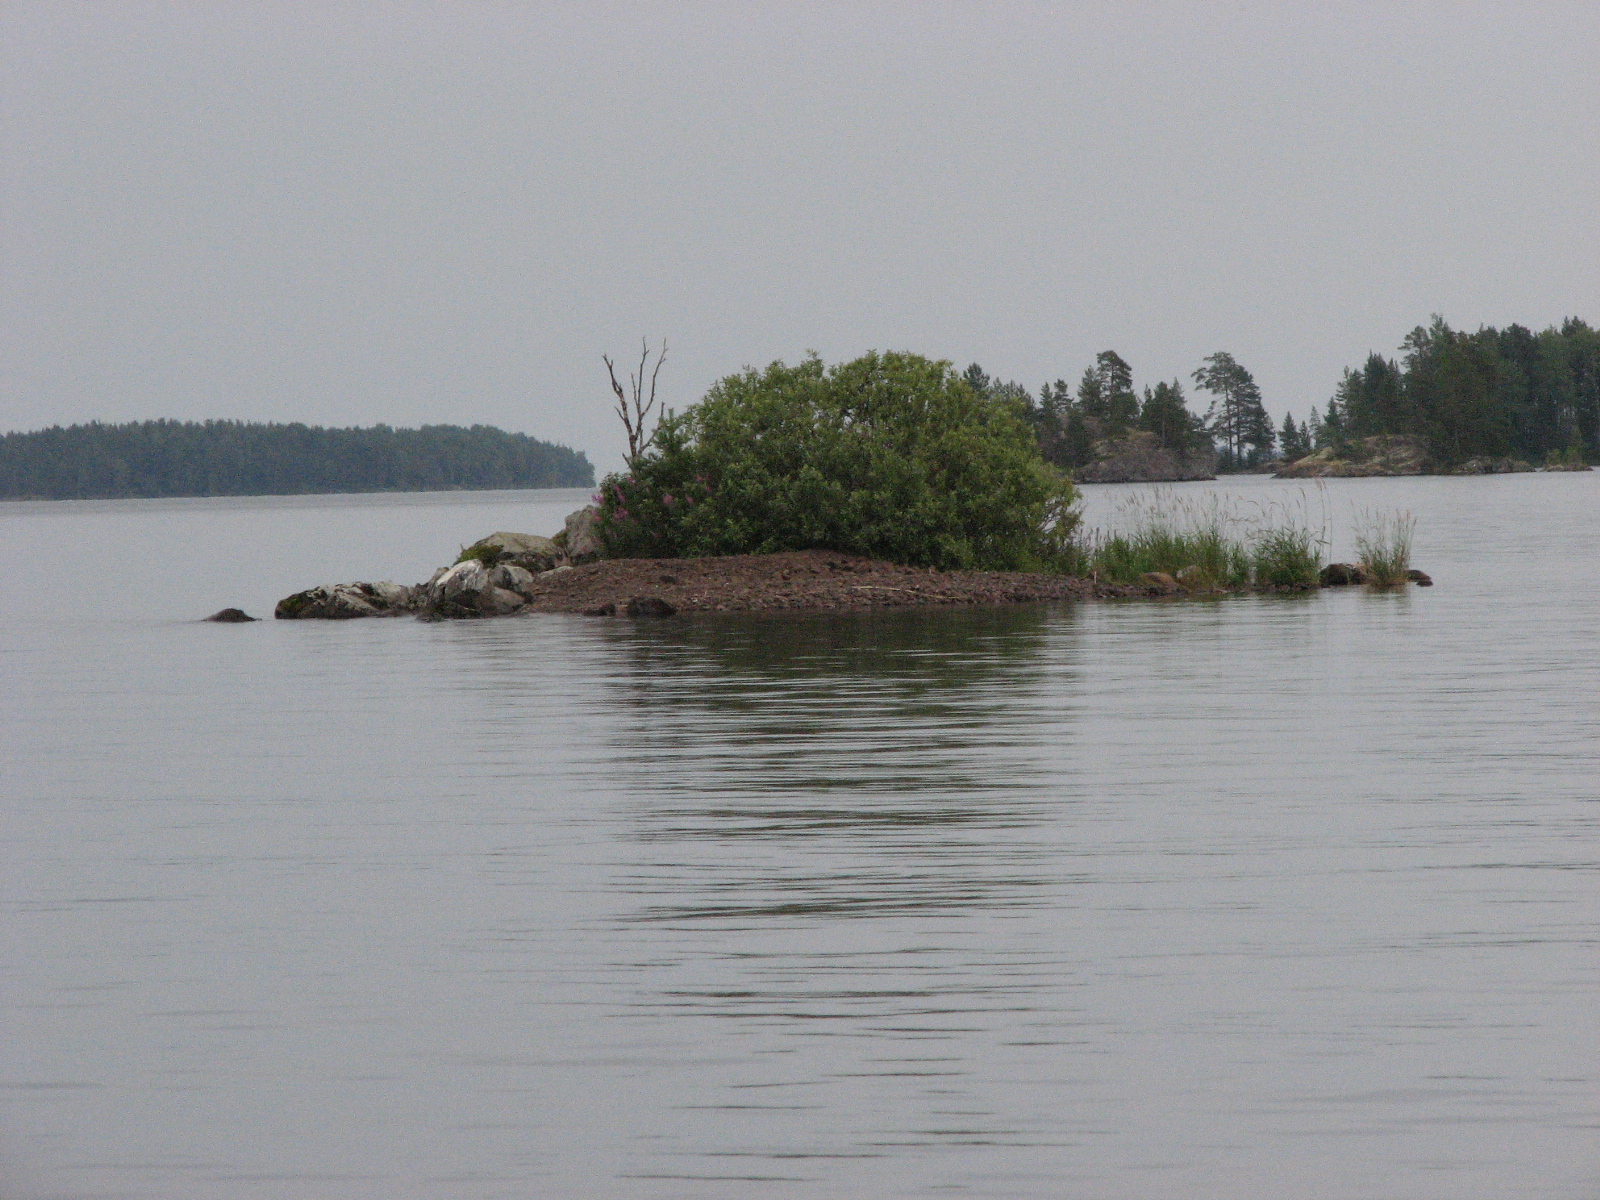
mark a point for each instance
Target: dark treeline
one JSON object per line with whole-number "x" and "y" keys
{"x": 237, "y": 458}
{"x": 1105, "y": 407}
{"x": 1490, "y": 394}
{"x": 1495, "y": 393}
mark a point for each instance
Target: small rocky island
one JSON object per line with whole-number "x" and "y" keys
{"x": 512, "y": 574}
{"x": 934, "y": 480}
{"x": 508, "y": 574}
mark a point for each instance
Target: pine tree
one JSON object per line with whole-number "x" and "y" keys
{"x": 1236, "y": 414}
{"x": 1106, "y": 395}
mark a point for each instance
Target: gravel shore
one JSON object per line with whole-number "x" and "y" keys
{"x": 809, "y": 580}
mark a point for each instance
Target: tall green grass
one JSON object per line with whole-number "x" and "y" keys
{"x": 1210, "y": 543}
{"x": 1383, "y": 545}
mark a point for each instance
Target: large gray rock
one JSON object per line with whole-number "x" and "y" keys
{"x": 345, "y": 601}
{"x": 499, "y": 602}
{"x": 513, "y": 578}
{"x": 582, "y": 535}
{"x": 456, "y": 591}
{"x": 470, "y": 576}
{"x": 470, "y": 589}
{"x": 1492, "y": 466}
{"x": 527, "y": 550}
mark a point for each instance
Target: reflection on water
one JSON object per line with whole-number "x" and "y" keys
{"x": 880, "y": 753}
{"x": 1289, "y": 897}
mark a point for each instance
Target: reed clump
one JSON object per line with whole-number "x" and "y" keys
{"x": 1285, "y": 557}
{"x": 1209, "y": 543}
{"x": 1383, "y": 546}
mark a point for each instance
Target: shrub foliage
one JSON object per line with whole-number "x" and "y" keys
{"x": 892, "y": 455}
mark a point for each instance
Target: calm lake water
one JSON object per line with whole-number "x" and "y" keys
{"x": 1274, "y": 897}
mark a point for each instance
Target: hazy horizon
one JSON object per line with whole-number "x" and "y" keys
{"x": 423, "y": 214}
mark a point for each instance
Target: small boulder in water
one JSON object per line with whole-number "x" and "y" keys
{"x": 231, "y": 616}
{"x": 649, "y": 606}
{"x": 1342, "y": 574}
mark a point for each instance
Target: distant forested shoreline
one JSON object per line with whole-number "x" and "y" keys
{"x": 239, "y": 458}
{"x": 1491, "y": 393}
{"x": 1463, "y": 396}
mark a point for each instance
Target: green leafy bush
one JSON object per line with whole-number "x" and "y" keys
{"x": 892, "y": 455}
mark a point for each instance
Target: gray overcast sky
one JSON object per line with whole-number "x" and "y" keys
{"x": 430, "y": 212}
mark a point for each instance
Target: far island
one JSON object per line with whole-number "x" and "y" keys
{"x": 148, "y": 459}
{"x": 1454, "y": 403}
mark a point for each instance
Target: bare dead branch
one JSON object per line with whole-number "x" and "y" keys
{"x": 635, "y": 409}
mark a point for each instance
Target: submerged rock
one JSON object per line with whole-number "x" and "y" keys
{"x": 231, "y": 616}
{"x": 649, "y": 606}
{"x": 637, "y": 606}
{"x": 1346, "y": 574}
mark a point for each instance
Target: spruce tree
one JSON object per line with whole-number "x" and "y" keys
{"x": 1166, "y": 415}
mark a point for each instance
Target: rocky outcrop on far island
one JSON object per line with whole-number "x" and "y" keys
{"x": 1401, "y": 454}
{"x": 1139, "y": 457}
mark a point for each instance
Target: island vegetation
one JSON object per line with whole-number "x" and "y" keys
{"x": 1105, "y": 432}
{"x": 891, "y": 456}
{"x": 1496, "y": 399}
{"x": 897, "y": 457}
{"x": 238, "y": 458}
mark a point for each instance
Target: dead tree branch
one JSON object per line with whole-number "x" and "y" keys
{"x": 636, "y": 408}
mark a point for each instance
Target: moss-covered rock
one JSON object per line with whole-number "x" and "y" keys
{"x": 527, "y": 550}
